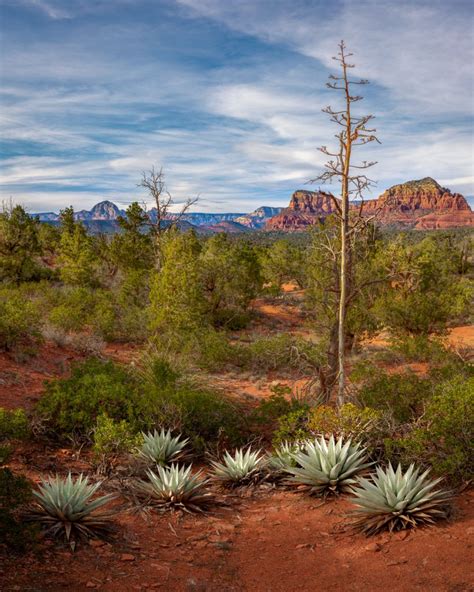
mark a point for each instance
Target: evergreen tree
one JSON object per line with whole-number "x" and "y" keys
{"x": 231, "y": 277}
{"x": 132, "y": 248}
{"x": 177, "y": 302}
{"x": 76, "y": 257}
{"x": 19, "y": 245}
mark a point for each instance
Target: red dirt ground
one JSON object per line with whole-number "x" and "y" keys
{"x": 274, "y": 541}
{"x": 270, "y": 540}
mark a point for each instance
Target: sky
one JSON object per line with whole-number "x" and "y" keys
{"x": 226, "y": 96}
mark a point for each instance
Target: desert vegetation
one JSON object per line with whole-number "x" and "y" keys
{"x": 204, "y": 370}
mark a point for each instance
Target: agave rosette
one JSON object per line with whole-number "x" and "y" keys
{"x": 283, "y": 456}
{"x": 65, "y": 506}
{"x": 326, "y": 467}
{"x": 396, "y": 500}
{"x": 161, "y": 448}
{"x": 243, "y": 467}
{"x": 176, "y": 487}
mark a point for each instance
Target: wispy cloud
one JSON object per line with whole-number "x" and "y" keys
{"x": 227, "y": 96}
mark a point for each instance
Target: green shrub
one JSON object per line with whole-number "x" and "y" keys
{"x": 280, "y": 403}
{"x": 73, "y": 310}
{"x": 281, "y": 352}
{"x": 349, "y": 420}
{"x": 13, "y": 424}
{"x": 292, "y": 427}
{"x": 203, "y": 416}
{"x": 402, "y": 394}
{"x": 182, "y": 404}
{"x": 19, "y": 320}
{"x": 157, "y": 396}
{"x": 421, "y": 348}
{"x": 444, "y": 436}
{"x": 112, "y": 438}
{"x": 363, "y": 424}
{"x": 15, "y": 493}
{"x": 72, "y": 406}
{"x": 216, "y": 352}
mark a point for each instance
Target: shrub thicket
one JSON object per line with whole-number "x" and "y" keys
{"x": 156, "y": 397}
{"x": 19, "y": 320}
{"x": 443, "y": 437}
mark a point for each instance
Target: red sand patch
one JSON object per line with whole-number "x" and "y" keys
{"x": 22, "y": 381}
{"x": 273, "y": 542}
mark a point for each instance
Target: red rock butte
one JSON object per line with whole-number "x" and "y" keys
{"x": 421, "y": 204}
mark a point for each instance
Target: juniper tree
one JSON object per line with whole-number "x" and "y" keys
{"x": 20, "y": 247}
{"x": 76, "y": 256}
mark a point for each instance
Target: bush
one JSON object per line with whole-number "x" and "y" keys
{"x": 71, "y": 406}
{"x": 348, "y": 420}
{"x": 15, "y": 492}
{"x": 420, "y": 348}
{"x": 200, "y": 414}
{"x": 112, "y": 438}
{"x": 365, "y": 425}
{"x": 13, "y": 424}
{"x": 281, "y": 352}
{"x": 402, "y": 394}
{"x": 73, "y": 310}
{"x": 443, "y": 438}
{"x": 216, "y": 352}
{"x": 19, "y": 320}
{"x": 292, "y": 427}
{"x": 280, "y": 403}
{"x": 157, "y": 396}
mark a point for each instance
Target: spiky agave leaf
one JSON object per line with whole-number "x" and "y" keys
{"x": 283, "y": 456}
{"x": 65, "y": 506}
{"x": 176, "y": 487}
{"x": 161, "y": 448}
{"x": 241, "y": 468}
{"x": 395, "y": 500}
{"x": 327, "y": 466}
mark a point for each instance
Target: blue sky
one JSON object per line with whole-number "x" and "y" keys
{"x": 226, "y": 95}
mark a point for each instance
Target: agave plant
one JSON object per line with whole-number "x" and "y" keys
{"x": 328, "y": 467}
{"x": 239, "y": 469}
{"x": 64, "y": 506}
{"x": 283, "y": 456}
{"x": 176, "y": 487}
{"x": 161, "y": 448}
{"x": 395, "y": 500}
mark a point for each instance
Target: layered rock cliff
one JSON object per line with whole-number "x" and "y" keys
{"x": 306, "y": 208}
{"x": 421, "y": 204}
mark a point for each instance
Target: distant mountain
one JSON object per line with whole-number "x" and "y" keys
{"x": 47, "y": 216}
{"x": 421, "y": 204}
{"x": 104, "y": 210}
{"x": 305, "y": 208}
{"x": 229, "y": 226}
{"x": 103, "y": 218}
{"x": 258, "y": 218}
{"x": 204, "y": 219}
